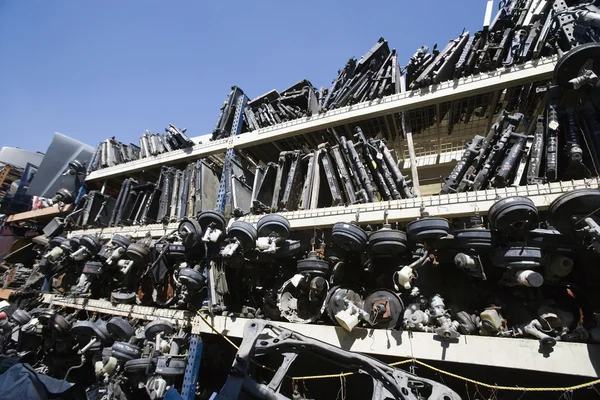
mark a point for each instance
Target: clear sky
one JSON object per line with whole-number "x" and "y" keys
{"x": 95, "y": 69}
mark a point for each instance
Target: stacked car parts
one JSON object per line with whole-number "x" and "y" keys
{"x": 330, "y": 176}
{"x": 112, "y": 152}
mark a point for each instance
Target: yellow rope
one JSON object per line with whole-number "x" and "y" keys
{"x": 441, "y": 371}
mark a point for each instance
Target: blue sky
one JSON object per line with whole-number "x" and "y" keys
{"x": 95, "y": 69}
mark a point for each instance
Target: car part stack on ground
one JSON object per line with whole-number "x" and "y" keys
{"x": 330, "y": 175}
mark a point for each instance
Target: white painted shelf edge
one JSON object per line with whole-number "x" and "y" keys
{"x": 448, "y": 206}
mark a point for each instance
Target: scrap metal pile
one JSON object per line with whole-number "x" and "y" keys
{"x": 560, "y": 145}
{"x": 516, "y": 273}
{"x": 108, "y": 356}
{"x": 558, "y": 141}
{"x": 112, "y": 152}
{"x": 522, "y": 30}
{"x": 330, "y": 175}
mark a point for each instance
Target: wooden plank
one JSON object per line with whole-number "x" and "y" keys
{"x": 5, "y": 293}
{"x": 47, "y": 213}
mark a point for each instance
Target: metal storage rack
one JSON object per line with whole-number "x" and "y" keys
{"x": 434, "y": 149}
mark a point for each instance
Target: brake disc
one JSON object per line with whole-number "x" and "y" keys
{"x": 245, "y": 233}
{"x": 474, "y": 238}
{"x": 349, "y": 236}
{"x": 514, "y": 216}
{"x": 92, "y": 243}
{"x": 564, "y": 211}
{"x": 427, "y": 229}
{"x": 64, "y": 195}
{"x": 122, "y": 297}
{"x": 138, "y": 253}
{"x": 572, "y": 62}
{"x": 191, "y": 278}
{"x": 84, "y": 331}
{"x": 517, "y": 257}
{"x": 57, "y": 241}
{"x": 190, "y": 232}
{"x": 273, "y": 223}
{"x": 337, "y": 297}
{"x": 121, "y": 240}
{"x": 158, "y": 326}
{"x": 124, "y": 351}
{"x": 209, "y": 217}
{"x": 140, "y": 365}
{"x": 102, "y": 328}
{"x": 43, "y": 314}
{"x": 119, "y": 328}
{"x": 59, "y": 324}
{"x": 388, "y": 242}
{"x": 170, "y": 366}
{"x": 288, "y": 249}
{"x": 75, "y": 242}
{"x": 313, "y": 265}
{"x": 385, "y": 308}
{"x": 21, "y": 317}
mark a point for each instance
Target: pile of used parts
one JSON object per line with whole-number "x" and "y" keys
{"x": 173, "y": 195}
{"x": 558, "y": 138}
{"x": 107, "y": 357}
{"x": 518, "y": 272}
{"x": 332, "y": 174}
{"x": 112, "y": 152}
{"x": 52, "y": 352}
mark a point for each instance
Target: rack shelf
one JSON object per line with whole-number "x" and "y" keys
{"x": 447, "y": 91}
{"x": 192, "y": 153}
{"x": 522, "y": 354}
{"x": 479, "y": 350}
{"x": 178, "y": 317}
{"x": 44, "y": 213}
{"x": 447, "y": 205}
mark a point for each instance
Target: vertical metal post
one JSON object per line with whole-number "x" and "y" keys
{"x": 192, "y": 369}
{"x": 411, "y": 153}
{"x": 223, "y": 197}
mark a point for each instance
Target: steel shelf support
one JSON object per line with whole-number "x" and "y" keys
{"x": 224, "y": 194}
{"x": 192, "y": 369}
